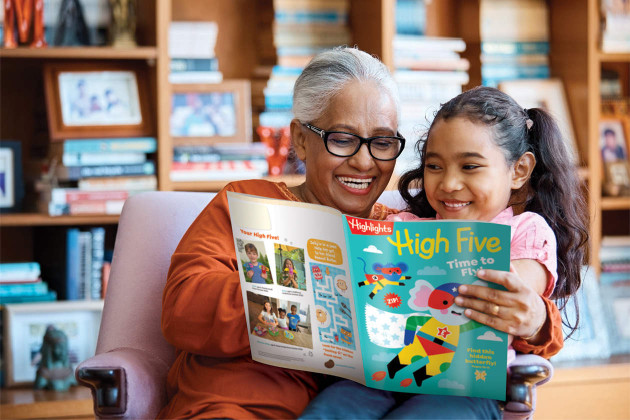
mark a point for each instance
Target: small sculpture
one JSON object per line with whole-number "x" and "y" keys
{"x": 278, "y": 142}
{"x": 123, "y": 25}
{"x": 71, "y": 27}
{"x": 54, "y": 371}
{"x": 24, "y": 14}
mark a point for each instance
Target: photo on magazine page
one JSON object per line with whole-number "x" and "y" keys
{"x": 414, "y": 337}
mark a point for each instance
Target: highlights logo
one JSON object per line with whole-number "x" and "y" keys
{"x": 369, "y": 227}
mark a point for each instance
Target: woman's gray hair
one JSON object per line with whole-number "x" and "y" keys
{"x": 329, "y": 72}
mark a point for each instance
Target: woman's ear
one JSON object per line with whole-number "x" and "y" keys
{"x": 298, "y": 139}
{"x": 522, "y": 170}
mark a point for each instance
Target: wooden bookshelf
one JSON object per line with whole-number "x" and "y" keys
{"x": 39, "y": 219}
{"x": 82, "y": 53}
{"x": 28, "y": 403}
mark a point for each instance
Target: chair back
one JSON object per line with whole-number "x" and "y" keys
{"x": 150, "y": 227}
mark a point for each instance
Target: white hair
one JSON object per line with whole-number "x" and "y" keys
{"x": 329, "y": 72}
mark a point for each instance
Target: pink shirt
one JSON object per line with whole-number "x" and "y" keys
{"x": 532, "y": 239}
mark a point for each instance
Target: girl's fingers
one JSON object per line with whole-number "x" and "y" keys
{"x": 489, "y": 320}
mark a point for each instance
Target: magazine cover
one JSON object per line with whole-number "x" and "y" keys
{"x": 371, "y": 301}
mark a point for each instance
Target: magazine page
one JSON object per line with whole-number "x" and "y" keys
{"x": 414, "y": 337}
{"x": 296, "y": 285}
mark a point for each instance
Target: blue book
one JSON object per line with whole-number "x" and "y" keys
{"x": 133, "y": 144}
{"x": 496, "y": 71}
{"x": 73, "y": 265}
{"x": 310, "y": 16}
{"x": 23, "y": 289}
{"x": 22, "y": 271}
{"x": 49, "y": 296}
{"x": 514, "y": 47}
{"x": 194, "y": 64}
{"x": 98, "y": 256}
{"x": 73, "y": 173}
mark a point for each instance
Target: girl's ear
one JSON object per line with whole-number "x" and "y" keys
{"x": 298, "y": 139}
{"x": 522, "y": 170}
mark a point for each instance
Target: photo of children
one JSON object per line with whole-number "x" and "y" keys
{"x": 255, "y": 262}
{"x": 279, "y": 320}
{"x": 290, "y": 266}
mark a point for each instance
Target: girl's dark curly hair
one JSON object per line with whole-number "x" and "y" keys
{"x": 554, "y": 189}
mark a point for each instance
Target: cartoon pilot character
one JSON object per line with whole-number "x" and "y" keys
{"x": 391, "y": 274}
{"x": 438, "y": 334}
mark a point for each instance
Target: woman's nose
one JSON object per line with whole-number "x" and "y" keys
{"x": 362, "y": 160}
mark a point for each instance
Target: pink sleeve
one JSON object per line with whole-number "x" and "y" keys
{"x": 533, "y": 239}
{"x": 404, "y": 216}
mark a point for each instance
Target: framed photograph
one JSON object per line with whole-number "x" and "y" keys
{"x": 97, "y": 100}
{"x": 613, "y": 140}
{"x": 25, "y": 325}
{"x": 590, "y": 340}
{"x": 211, "y": 113}
{"x": 549, "y": 95}
{"x": 11, "y": 179}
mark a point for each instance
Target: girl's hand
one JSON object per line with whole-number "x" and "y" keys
{"x": 250, "y": 274}
{"x": 519, "y": 311}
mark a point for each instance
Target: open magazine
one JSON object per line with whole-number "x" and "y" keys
{"x": 371, "y": 301}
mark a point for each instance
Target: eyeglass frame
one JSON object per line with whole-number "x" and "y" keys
{"x": 323, "y": 134}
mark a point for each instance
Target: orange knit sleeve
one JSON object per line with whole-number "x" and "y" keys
{"x": 551, "y": 332}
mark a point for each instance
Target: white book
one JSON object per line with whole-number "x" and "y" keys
{"x": 196, "y": 77}
{"x": 192, "y": 39}
{"x": 103, "y": 158}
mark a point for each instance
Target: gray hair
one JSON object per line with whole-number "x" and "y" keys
{"x": 329, "y": 72}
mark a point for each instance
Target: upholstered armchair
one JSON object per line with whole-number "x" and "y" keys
{"x": 127, "y": 375}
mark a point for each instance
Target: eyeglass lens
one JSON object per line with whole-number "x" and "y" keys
{"x": 347, "y": 144}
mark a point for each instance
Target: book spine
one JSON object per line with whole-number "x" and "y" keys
{"x": 26, "y": 271}
{"x": 194, "y": 64}
{"x": 98, "y": 256}
{"x": 63, "y": 196}
{"x": 196, "y": 77}
{"x": 23, "y": 289}
{"x": 85, "y": 265}
{"x": 311, "y": 16}
{"x": 111, "y": 207}
{"x": 127, "y": 183}
{"x": 78, "y": 172}
{"x": 514, "y": 47}
{"x": 105, "y": 158}
{"x": 73, "y": 276}
{"x": 134, "y": 144}
{"x": 49, "y": 296}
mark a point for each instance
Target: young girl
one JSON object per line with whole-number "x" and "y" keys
{"x": 289, "y": 275}
{"x": 486, "y": 158}
{"x": 283, "y": 321}
{"x": 267, "y": 316}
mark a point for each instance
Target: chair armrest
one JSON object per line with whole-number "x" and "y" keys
{"x": 126, "y": 383}
{"x": 525, "y": 373}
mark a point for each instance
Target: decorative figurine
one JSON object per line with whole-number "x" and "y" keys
{"x": 278, "y": 142}
{"x": 123, "y": 25}
{"x": 71, "y": 27}
{"x": 24, "y": 14}
{"x": 54, "y": 371}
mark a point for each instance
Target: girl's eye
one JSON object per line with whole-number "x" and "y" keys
{"x": 469, "y": 167}
{"x": 432, "y": 166}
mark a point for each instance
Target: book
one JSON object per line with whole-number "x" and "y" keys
{"x": 85, "y": 265}
{"x": 514, "y": 47}
{"x": 127, "y": 183}
{"x": 23, "y": 289}
{"x": 196, "y": 77}
{"x": 188, "y": 39}
{"x": 221, "y": 170}
{"x": 98, "y": 257}
{"x": 85, "y": 207}
{"x": 49, "y": 296}
{"x": 515, "y": 20}
{"x": 73, "y": 173}
{"x": 22, "y": 272}
{"x": 193, "y": 64}
{"x": 373, "y": 298}
{"x": 103, "y": 158}
{"x": 69, "y": 289}
{"x": 132, "y": 144}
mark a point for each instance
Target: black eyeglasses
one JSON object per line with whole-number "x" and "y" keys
{"x": 342, "y": 144}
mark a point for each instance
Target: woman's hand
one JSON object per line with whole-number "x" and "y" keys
{"x": 519, "y": 311}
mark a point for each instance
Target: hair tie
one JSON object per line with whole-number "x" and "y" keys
{"x": 529, "y": 123}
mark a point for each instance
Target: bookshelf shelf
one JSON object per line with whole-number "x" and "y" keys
{"x": 614, "y": 58}
{"x": 83, "y": 53}
{"x": 38, "y": 219}
{"x": 615, "y": 203}
{"x": 213, "y": 186}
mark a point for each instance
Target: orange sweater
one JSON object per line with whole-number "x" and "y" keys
{"x": 203, "y": 317}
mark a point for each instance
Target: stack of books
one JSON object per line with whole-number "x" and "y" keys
{"x": 219, "y": 161}
{"x": 301, "y": 29}
{"x": 614, "y": 256}
{"x": 22, "y": 282}
{"x": 616, "y": 27}
{"x": 428, "y": 70}
{"x": 96, "y": 176}
{"x": 514, "y": 40}
{"x": 191, "y": 51}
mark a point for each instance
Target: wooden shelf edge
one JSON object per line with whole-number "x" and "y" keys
{"x": 38, "y": 219}
{"x": 107, "y": 53}
{"x": 615, "y": 203}
{"x": 214, "y": 186}
{"x": 614, "y": 57}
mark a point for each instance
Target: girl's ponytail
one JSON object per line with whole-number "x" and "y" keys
{"x": 556, "y": 194}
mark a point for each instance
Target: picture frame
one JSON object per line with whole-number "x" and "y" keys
{"x": 25, "y": 325}
{"x": 92, "y": 99}
{"x": 590, "y": 340}
{"x": 211, "y": 113}
{"x": 549, "y": 95}
{"x": 613, "y": 139}
{"x": 11, "y": 176}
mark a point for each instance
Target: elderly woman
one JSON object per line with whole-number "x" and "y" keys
{"x": 344, "y": 100}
